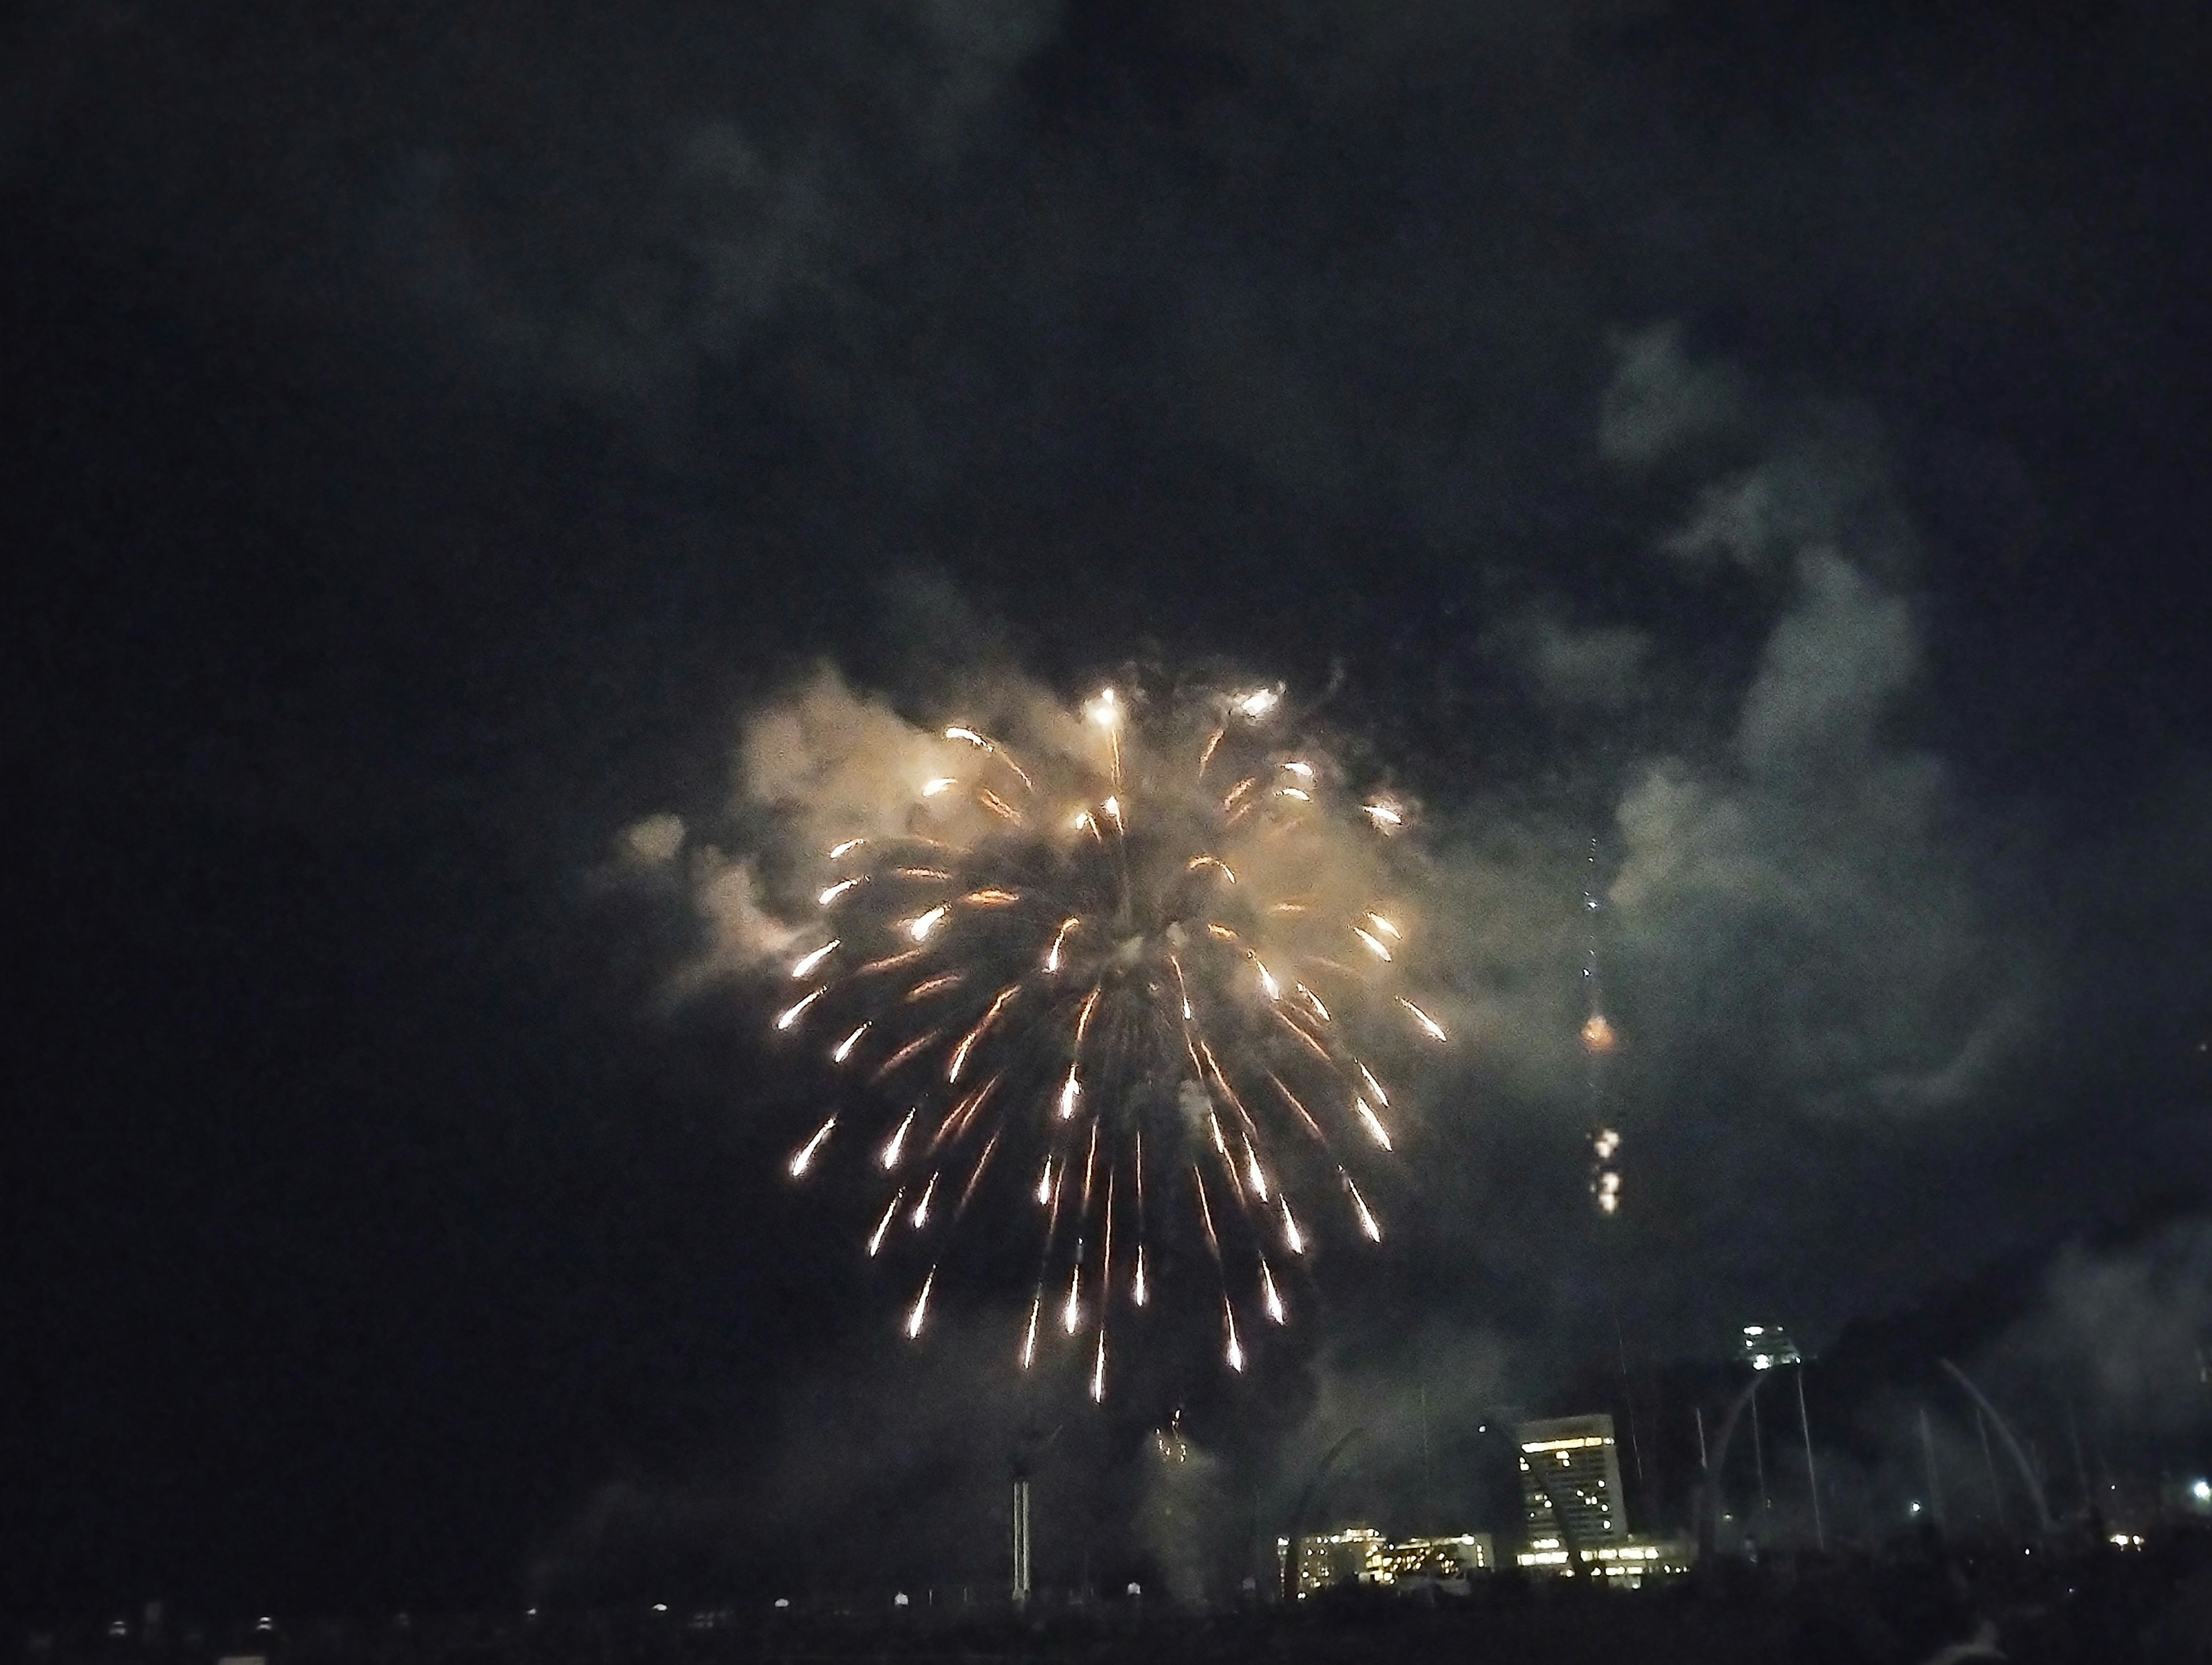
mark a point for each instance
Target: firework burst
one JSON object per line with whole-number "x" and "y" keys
{"x": 1124, "y": 983}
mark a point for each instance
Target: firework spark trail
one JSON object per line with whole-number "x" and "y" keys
{"x": 1114, "y": 944}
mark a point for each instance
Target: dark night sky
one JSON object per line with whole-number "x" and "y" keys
{"x": 1769, "y": 438}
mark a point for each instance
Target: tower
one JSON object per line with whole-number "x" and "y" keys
{"x": 1019, "y": 1537}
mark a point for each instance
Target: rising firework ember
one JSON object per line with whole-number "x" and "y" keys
{"x": 1120, "y": 983}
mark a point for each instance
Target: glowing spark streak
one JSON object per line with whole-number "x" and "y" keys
{"x": 1206, "y": 1212}
{"x": 806, "y": 966}
{"x": 1174, "y": 965}
{"x": 804, "y": 1154}
{"x": 921, "y": 1308}
{"x": 1218, "y": 931}
{"x": 1257, "y": 1179}
{"x": 1436, "y": 1032}
{"x": 1090, "y": 1162}
{"x": 839, "y": 851}
{"x": 1206, "y": 756}
{"x": 937, "y": 985}
{"x": 968, "y": 735}
{"x": 1314, "y": 1000}
{"x": 1237, "y": 793}
{"x": 919, "y": 1043}
{"x": 1083, "y": 1018}
{"x": 1374, "y": 1087}
{"x": 1058, "y": 939}
{"x": 1290, "y": 908}
{"x": 1303, "y": 1115}
{"x": 975, "y": 1179}
{"x": 1385, "y": 928}
{"x": 919, "y": 1218}
{"x": 1374, "y": 943}
{"x": 990, "y": 896}
{"x": 1304, "y": 771}
{"x": 1234, "y": 1352}
{"x": 1311, "y": 1045}
{"x": 1272, "y": 1300}
{"x": 1303, "y": 796}
{"x": 1213, "y": 1126}
{"x": 792, "y": 1014}
{"x": 919, "y": 873}
{"x": 982, "y": 1026}
{"x": 999, "y": 806}
{"x": 876, "y": 1237}
{"x": 1139, "y": 1293}
{"x": 1359, "y": 1206}
{"x": 837, "y": 890}
{"x": 1293, "y": 1239}
{"x": 890, "y": 962}
{"x": 1376, "y": 1130}
{"x": 1070, "y": 1090}
{"x": 1113, "y": 808}
{"x": 1044, "y": 1184}
{"x": 1098, "y": 1372}
{"x": 1029, "y": 1335}
{"x": 1071, "y": 1314}
{"x": 921, "y": 924}
{"x": 1383, "y": 815}
{"x": 1268, "y": 986}
{"x": 941, "y": 784}
{"x": 1214, "y": 861}
{"x": 843, "y": 1049}
{"x": 896, "y": 1141}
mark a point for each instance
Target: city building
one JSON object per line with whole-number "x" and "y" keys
{"x": 1570, "y": 1468}
{"x": 1630, "y": 1559}
{"x": 1361, "y": 1555}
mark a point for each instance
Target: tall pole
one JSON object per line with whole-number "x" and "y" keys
{"x": 1935, "y": 1480}
{"x": 1705, "y": 1462}
{"x": 1758, "y": 1457}
{"x": 1811, "y": 1474}
{"x": 1989, "y": 1464}
{"x": 1020, "y": 1537}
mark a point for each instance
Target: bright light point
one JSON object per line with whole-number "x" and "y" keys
{"x": 1383, "y": 815}
{"x": 1105, "y": 710}
{"x": 1373, "y": 1123}
{"x": 891, "y": 1213}
{"x": 2200, "y": 1489}
{"x": 919, "y": 1218}
{"x": 1268, "y": 986}
{"x": 1255, "y": 1177}
{"x": 1374, "y": 943}
{"x": 1301, "y": 795}
{"x": 792, "y": 1014}
{"x": 1044, "y": 1184}
{"x": 1314, "y": 1000}
{"x": 1029, "y": 1335}
{"x": 941, "y": 784}
{"x": 839, "y": 851}
{"x": 892, "y": 1145}
{"x": 804, "y": 967}
{"x": 836, "y": 890}
{"x": 1098, "y": 1374}
{"x": 1598, "y": 1034}
{"x": 843, "y": 1049}
{"x": 921, "y": 1307}
{"x": 1367, "y": 1222}
{"x": 1256, "y": 704}
{"x": 968, "y": 735}
{"x": 1293, "y": 1239}
{"x": 1272, "y": 1301}
{"x": 1304, "y": 771}
{"x": 1070, "y": 1090}
{"x": 1434, "y": 1029}
{"x": 921, "y": 924}
{"x": 804, "y": 1155}
{"x": 1374, "y": 1087}
{"x": 1384, "y": 926}
{"x": 1235, "y": 1351}
{"x": 1059, "y": 941}
{"x": 1070, "y": 1314}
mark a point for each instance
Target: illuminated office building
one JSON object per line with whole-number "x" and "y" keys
{"x": 1569, "y": 1467}
{"x": 1361, "y": 1555}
